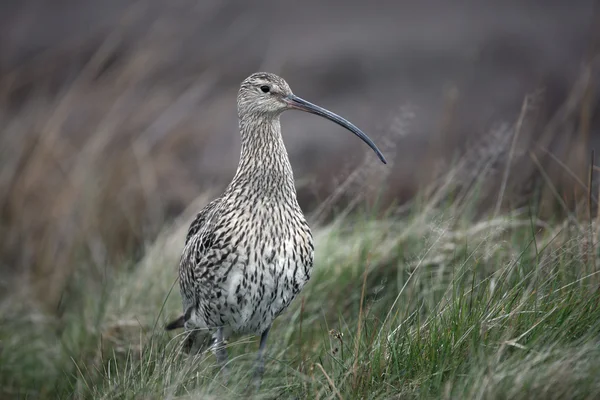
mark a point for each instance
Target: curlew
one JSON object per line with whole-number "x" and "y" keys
{"x": 250, "y": 252}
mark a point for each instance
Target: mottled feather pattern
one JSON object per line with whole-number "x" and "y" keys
{"x": 249, "y": 252}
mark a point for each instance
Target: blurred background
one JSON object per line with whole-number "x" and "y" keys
{"x": 116, "y": 114}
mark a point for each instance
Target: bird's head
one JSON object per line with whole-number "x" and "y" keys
{"x": 263, "y": 94}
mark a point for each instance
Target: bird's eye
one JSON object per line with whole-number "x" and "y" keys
{"x": 265, "y": 89}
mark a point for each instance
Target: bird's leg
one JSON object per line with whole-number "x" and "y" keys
{"x": 220, "y": 351}
{"x": 188, "y": 343}
{"x": 259, "y": 366}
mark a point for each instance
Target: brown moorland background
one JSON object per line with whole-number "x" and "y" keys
{"x": 115, "y": 115}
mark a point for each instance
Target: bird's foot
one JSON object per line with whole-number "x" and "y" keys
{"x": 259, "y": 371}
{"x": 259, "y": 364}
{"x": 224, "y": 374}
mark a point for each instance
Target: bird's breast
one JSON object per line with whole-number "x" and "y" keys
{"x": 278, "y": 250}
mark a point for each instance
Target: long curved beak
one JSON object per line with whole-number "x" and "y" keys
{"x": 300, "y": 104}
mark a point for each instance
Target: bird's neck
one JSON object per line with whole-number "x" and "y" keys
{"x": 264, "y": 166}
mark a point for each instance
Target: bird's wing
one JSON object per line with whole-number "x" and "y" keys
{"x": 197, "y": 241}
{"x": 203, "y": 218}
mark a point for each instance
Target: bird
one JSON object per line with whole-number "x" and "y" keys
{"x": 250, "y": 252}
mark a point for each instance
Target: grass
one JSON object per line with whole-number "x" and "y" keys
{"x": 429, "y": 305}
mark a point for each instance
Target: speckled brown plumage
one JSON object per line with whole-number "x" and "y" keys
{"x": 250, "y": 252}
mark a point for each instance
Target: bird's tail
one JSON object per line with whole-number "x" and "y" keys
{"x": 176, "y": 323}
{"x": 196, "y": 341}
{"x": 180, "y": 321}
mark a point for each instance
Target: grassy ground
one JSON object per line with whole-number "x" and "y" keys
{"x": 427, "y": 305}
